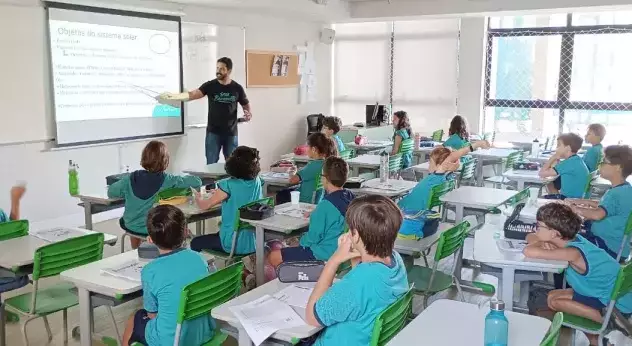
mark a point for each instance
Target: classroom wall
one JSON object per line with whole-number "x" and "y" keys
{"x": 278, "y": 125}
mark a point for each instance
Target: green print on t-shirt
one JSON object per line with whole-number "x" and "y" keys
{"x": 225, "y": 98}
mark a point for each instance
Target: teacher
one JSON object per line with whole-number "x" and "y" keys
{"x": 223, "y": 94}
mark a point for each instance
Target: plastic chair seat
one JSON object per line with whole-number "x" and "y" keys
{"x": 420, "y": 277}
{"x": 49, "y": 300}
{"x": 582, "y": 323}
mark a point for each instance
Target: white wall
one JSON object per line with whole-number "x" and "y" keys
{"x": 278, "y": 125}
{"x": 471, "y": 70}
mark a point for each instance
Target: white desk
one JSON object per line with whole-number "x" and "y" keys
{"x": 605, "y": 184}
{"x": 486, "y": 251}
{"x": 411, "y": 246}
{"x": 223, "y": 313}
{"x": 277, "y": 223}
{"x": 97, "y": 198}
{"x": 522, "y": 177}
{"x": 371, "y": 162}
{"x": 18, "y": 252}
{"x": 541, "y": 158}
{"x": 194, "y": 214}
{"x": 479, "y": 198}
{"x": 394, "y": 188}
{"x": 296, "y": 158}
{"x": 89, "y": 281}
{"x": 368, "y": 146}
{"x": 453, "y": 323}
{"x": 281, "y": 180}
{"x": 492, "y": 154}
{"x": 422, "y": 153}
{"x": 424, "y": 168}
{"x": 213, "y": 171}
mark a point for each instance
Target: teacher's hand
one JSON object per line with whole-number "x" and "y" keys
{"x": 247, "y": 115}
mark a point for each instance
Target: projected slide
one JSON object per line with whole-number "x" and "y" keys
{"x": 107, "y": 71}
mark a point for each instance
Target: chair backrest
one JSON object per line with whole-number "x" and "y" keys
{"x": 451, "y": 241}
{"x": 437, "y": 136}
{"x": 390, "y": 321}
{"x": 346, "y": 154}
{"x": 395, "y": 163}
{"x": 173, "y": 192}
{"x": 52, "y": 259}
{"x": 622, "y": 286}
{"x": 553, "y": 143}
{"x": 626, "y": 237}
{"x": 199, "y": 298}
{"x": 314, "y": 122}
{"x": 512, "y": 159}
{"x": 437, "y": 192}
{"x": 594, "y": 175}
{"x": 13, "y": 229}
{"x": 407, "y": 146}
{"x": 553, "y": 334}
{"x": 468, "y": 170}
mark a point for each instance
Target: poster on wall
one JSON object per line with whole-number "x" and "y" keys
{"x": 276, "y": 65}
{"x": 285, "y": 65}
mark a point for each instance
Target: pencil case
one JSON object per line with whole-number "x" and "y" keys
{"x": 300, "y": 271}
{"x": 256, "y": 211}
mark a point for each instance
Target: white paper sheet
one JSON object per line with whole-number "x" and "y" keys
{"x": 298, "y": 213}
{"x": 57, "y": 234}
{"x": 263, "y": 317}
{"x": 129, "y": 270}
{"x": 274, "y": 175}
{"x": 295, "y": 295}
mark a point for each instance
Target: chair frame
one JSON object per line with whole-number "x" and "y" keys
{"x": 392, "y": 320}
{"x": 553, "y": 334}
{"x": 468, "y": 171}
{"x": 437, "y": 136}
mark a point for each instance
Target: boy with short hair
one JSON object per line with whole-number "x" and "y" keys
{"x": 594, "y": 136}
{"x": 326, "y": 222}
{"x": 163, "y": 280}
{"x": 17, "y": 192}
{"x": 349, "y": 307}
{"x": 610, "y": 215}
{"x": 571, "y": 169}
{"x": 331, "y": 127}
{"x": 591, "y": 272}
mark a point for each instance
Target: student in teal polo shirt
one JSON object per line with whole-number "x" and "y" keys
{"x": 570, "y": 168}
{"x": 591, "y": 272}
{"x": 243, "y": 187}
{"x": 348, "y": 308}
{"x": 326, "y": 222}
{"x": 458, "y": 133}
{"x": 331, "y": 127}
{"x": 320, "y": 148}
{"x": 442, "y": 161}
{"x": 139, "y": 189}
{"x": 594, "y": 154}
{"x": 17, "y": 192}
{"x": 163, "y": 280}
{"x": 401, "y": 124}
{"x": 610, "y": 215}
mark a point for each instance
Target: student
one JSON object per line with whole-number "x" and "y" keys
{"x": 163, "y": 280}
{"x": 139, "y": 189}
{"x": 572, "y": 171}
{"x": 591, "y": 272}
{"x": 610, "y": 215}
{"x": 331, "y": 127}
{"x": 401, "y": 123}
{"x": 458, "y": 133}
{"x": 320, "y": 148}
{"x": 348, "y": 308}
{"x": 594, "y": 136}
{"x": 17, "y": 192}
{"x": 326, "y": 222}
{"x": 243, "y": 187}
{"x": 442, "y": 161}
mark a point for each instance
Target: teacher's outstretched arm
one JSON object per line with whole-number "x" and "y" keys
{"x": 184, "y": 96}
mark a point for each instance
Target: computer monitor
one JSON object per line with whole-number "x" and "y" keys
{"x": 375, "y": 115}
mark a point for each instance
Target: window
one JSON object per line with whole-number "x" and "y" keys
{"x": 554, "y": 73}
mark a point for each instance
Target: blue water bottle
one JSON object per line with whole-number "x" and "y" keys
{"x": 496, "y": 325}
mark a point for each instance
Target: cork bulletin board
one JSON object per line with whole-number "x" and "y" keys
{"x": 260, "y": 70}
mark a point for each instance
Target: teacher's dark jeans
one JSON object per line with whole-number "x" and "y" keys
{"x": 215, "y": 142}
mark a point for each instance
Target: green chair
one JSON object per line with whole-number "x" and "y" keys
{"x": 318, "y": 188}
{"x": 13, "y": 229}
{"x": 428, "y": 281}
{"x": 436, "y": 193}
{"x": 395, "y": 163}
{"x": 626, "y": 237}
{"x": 499, "y": 181}
{"x": 622, "y": 286}
{"x": 406, "y": 147}
{"x": 173, "y": 192}
{"x": 553, "y": 334}
{"x": 437, "y": 136}
{"x": 346, "y": 154}
{"x": 392, "y": 320}
{"x": 468, "y": 172}
{"x": 552, "y": 143}
{"x": 594, "y": 175}
{"x": 51, "y": 260}
{"x": 199, "y": 298}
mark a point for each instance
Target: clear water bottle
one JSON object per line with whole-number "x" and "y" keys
{"x": 384, "y": 167}
{"x": 496, "y": 325}
{"x": 535, "y": 148}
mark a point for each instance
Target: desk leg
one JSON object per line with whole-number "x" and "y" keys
{"x": 507, "y": 287}
{"x": 86, "y": 322}
{"x": 87, "y": 214}
{"x": 265, "y": 189}
{"x": 479, "y": 172}
{"x": 198, "y": 228}
{"x": 356, "y": 171}
{"x": 2, "y": 322}
{"x": 260, "y": 253}
{"x": 459, "y": 211}
{"x": 244, "y": 339}
{"x": 520, "y": 185}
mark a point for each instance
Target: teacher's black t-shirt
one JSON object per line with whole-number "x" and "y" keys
{"x": 222, "y": 106}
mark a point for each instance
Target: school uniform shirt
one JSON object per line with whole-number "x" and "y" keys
{"x": 417, "y": 200}
{"x": 309, "y": 176}
{"x": 350, "y": 306}
{"x": 326, "y": 224}
{"x": 339, "y": 144}
{"x": 617, "y": 203}
{"x": 407, "y": 158}
{"x": 600, "y": 276}
{"x": 593, "y": 156}
{"x": 3, "y": 216}
{"x": 163, "y": 280}
{"x": 455, "y": 142}
{"x": 574, "y": 175}
{"x": 240, "y": 192}
{"x": 139, "y": 190}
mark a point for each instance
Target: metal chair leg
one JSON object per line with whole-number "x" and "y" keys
{"x": 458, "y": 289}
{"x": 47, "y": 325}
{"x": 65, "y": 325}
{"x": 123, "y": 242}
{"x": 118, "y": 333}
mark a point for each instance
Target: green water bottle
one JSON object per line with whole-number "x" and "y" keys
{"x": 73, "y": 178}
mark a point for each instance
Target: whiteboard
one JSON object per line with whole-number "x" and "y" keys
{"x": 202, "y": 45}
